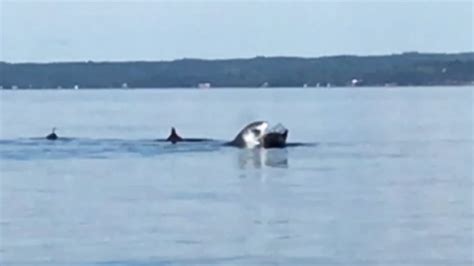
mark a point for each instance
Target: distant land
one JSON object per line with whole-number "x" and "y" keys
{"x": 407, "y": 69}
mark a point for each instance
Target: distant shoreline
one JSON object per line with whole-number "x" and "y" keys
{"x": 244, "y": 88}
{"x": 397, "y": 70}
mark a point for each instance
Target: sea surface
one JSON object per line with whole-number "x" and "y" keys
{"x": 386, "y": 178}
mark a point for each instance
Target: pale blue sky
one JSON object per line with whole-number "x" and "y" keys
{"x": 45, "y": 31}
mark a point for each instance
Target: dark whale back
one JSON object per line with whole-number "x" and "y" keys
{"x": 275, "y": 139}
{"x": 53, "y": 135}
{"x": 174, "y": 137}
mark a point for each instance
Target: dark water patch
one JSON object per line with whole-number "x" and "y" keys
{"x": 272, "y": 222}
{"x": 181, "y": 261}
{"x": 188, "y": 242}
{"x": 249, "y": 259}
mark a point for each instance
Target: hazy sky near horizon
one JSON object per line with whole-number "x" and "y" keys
{"x": 101, "y": 30}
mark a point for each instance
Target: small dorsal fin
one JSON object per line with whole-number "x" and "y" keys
{"x": 174, "y": 137}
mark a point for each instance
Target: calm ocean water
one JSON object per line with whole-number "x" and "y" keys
{"x": 388, "y": 180}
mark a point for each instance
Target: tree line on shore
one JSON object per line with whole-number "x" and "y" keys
{"x": 407, "y": 69}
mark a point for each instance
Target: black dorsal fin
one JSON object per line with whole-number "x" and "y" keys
{"x": 174, "y": 137}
